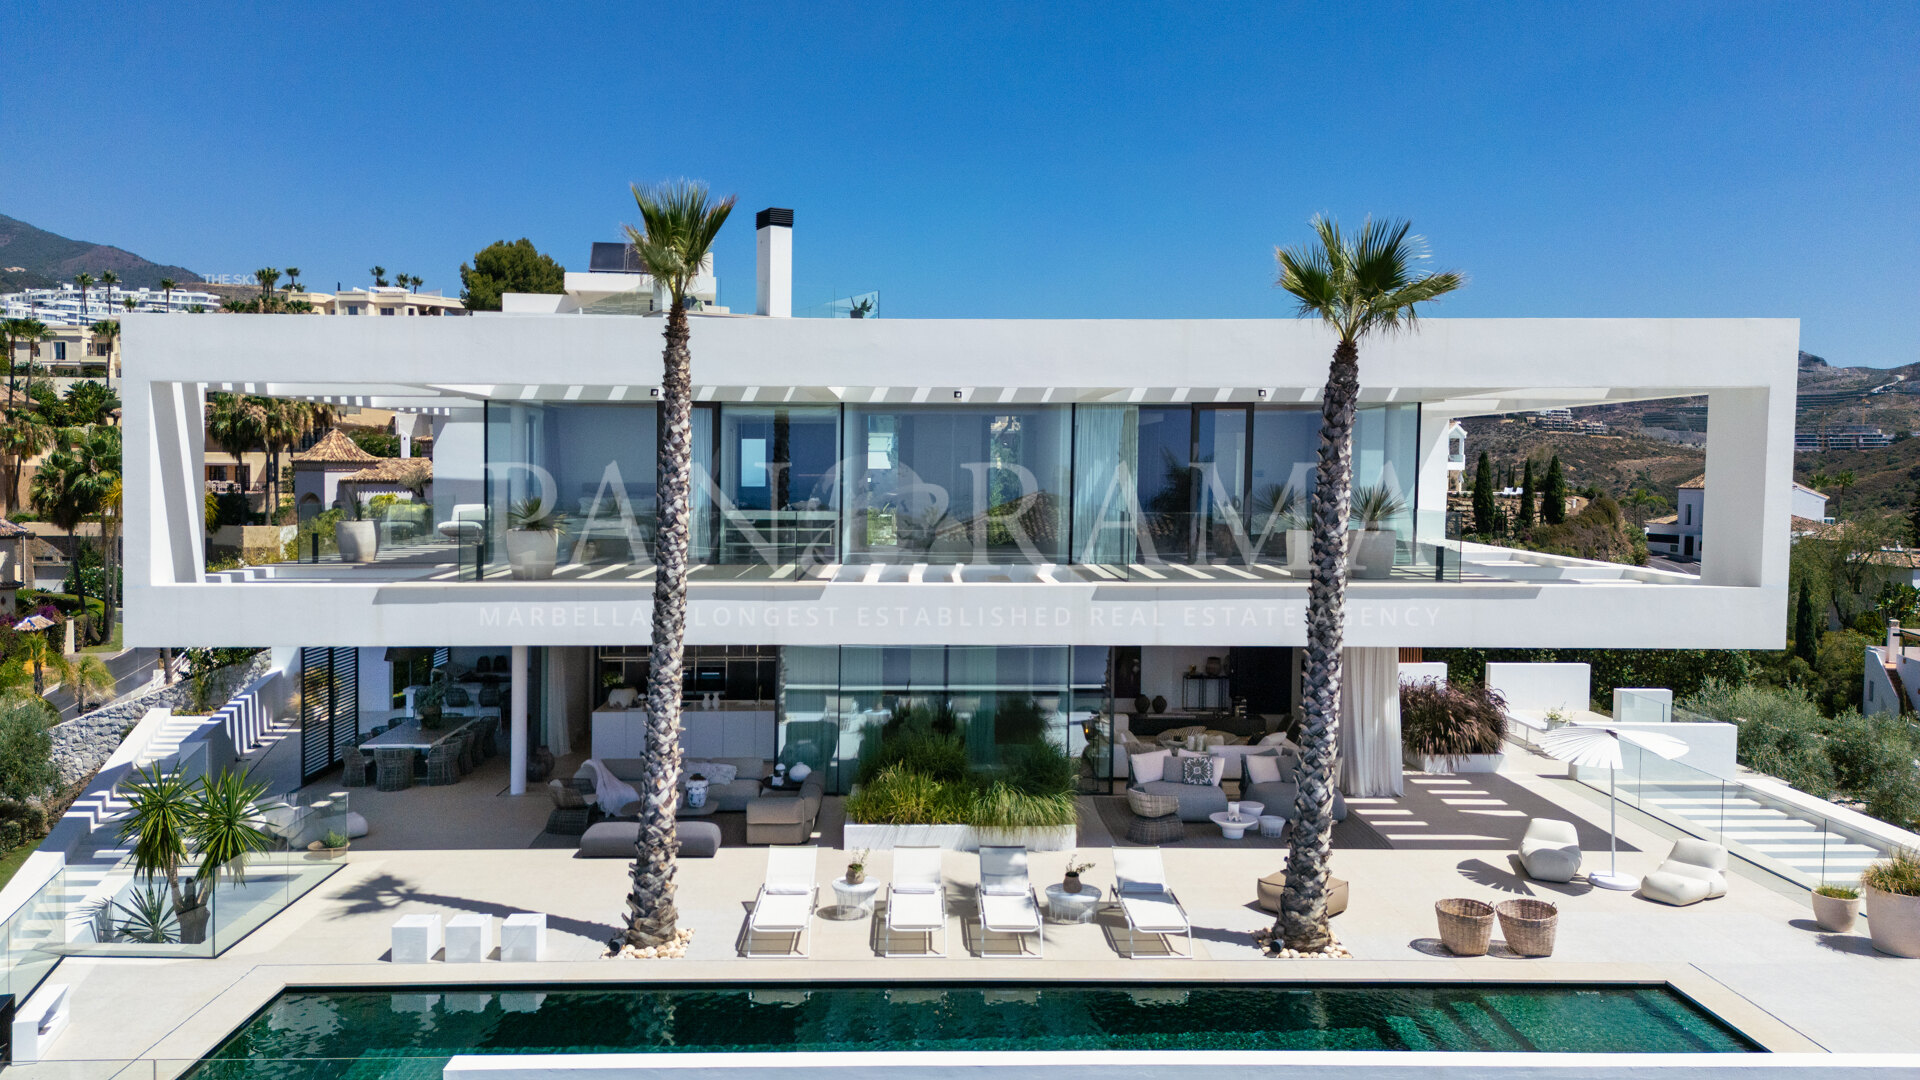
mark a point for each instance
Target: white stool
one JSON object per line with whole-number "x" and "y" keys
{"x": 415, "y": 938}
{"x": 469, "y": 938}
{"x": 523, "y": 937}
{"x": 38, "y": 1021}
{"x": 1273, "y": 826}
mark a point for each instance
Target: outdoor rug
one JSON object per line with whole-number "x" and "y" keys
{"x": 1351, "y": 834}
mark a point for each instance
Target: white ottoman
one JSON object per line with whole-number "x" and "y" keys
{"x": 1273, "y": 826}
{"x": 523, "y": 937}
{"x": 469, "y": 938}
{"x": 415, "y": 938}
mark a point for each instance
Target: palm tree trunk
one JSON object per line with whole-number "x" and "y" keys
{"x": 652, "y": 918}
{"x": 1302, "y": 922}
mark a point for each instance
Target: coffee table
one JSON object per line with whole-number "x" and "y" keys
{"x": 851, "y": 901}
{"x": 1234, "y": 828}
{"x": 1066, "y": 907}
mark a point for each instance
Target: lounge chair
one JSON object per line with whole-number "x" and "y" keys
{"x": 1140, "y": 886}
{"x": 916, "y": 899}
{"x": 1695, "y": 870}
{"x": 786, "y": 901}
{"x": 1550, "y": 851}
{"x": 1008, "y": 904}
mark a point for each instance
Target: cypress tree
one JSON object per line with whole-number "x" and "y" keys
{"x": 1553, "y": 506}
{"x": 1483, "y": 496}
{"x": 1526, "y": 497}
{"x": 1806, "y": 634}
{"x": 1913, "y": 517}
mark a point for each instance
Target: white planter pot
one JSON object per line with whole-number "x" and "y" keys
{"x": 358, "y": 541}
{"x": 696, "y": 794}
{"x": 1468, "y": 763}
{"x": 1893, "y": 922}
{"x": 1835, "y": 914}
{"x": 955, "y": 837}
{"x": 531, "y": 555}
{"x": 1370, "y": 554}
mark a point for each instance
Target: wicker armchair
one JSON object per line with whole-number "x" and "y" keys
{"x": 354, "y": 767}
{"x": 1156, "y": 819}
{"x": 463, "y": 757}
{"x": 443, "y": 764}
{"x": 1151, "y": 806}
{"x": 393, "y": 769}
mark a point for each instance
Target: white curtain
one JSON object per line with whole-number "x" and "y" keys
{"x": 1370, "y": 722}
{"x": 1106, "y": 457}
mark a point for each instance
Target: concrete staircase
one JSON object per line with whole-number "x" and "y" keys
{"x": 1739, "y": 819}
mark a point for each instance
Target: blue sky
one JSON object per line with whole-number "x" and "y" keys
{"x": 1019, "y": 160}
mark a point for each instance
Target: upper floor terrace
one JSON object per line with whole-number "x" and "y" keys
{"x": 1014, "y": 463}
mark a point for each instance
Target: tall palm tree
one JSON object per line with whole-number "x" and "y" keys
{"x": 83, "y": 279}
{"x": 1356, "y": 286}
{"x": 268, "y": 277}
{"x": 678, "y": 224}
{"x": 236, "y": 423}
{"x": 166, "y": 291}
{"x": 107, "y": 279}
{"x": 293, "y": 280}
{"x": 108, "y": 330}
{"x": 90, "y": 680}
{"x": 379, "y": 276}
{"x": 74, "y": 482}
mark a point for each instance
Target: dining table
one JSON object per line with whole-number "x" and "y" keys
{"x": 409, "y": 735}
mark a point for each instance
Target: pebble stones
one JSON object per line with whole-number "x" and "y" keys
{"x": 1333, "y": 951}
{"x": 675, "y": 950}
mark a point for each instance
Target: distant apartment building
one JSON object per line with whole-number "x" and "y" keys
{"x": 1840, "y": 437}
{"x": 71, "y": 351}
{"x": 385, "y": 300}
{"x": 62, "y": 306}
{"x": 1564, "y": 420}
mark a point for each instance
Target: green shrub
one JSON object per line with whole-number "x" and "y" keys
{"x": 899, "y": 796}
{"x": 26, "y": 748}
{"x": 1020, "y": 720}
{"x": 939, "y": 757}
{"x": 1039, "y": 768}
{"x": 1002, "y": 806}
{"x": 1898, "y": 873}
{"x": 1838, "y": 892}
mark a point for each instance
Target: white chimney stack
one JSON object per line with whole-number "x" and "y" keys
{"x": 773, "y": 228}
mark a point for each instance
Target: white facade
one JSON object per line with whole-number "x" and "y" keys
{"x": 1682, "y": 534}
{"x": 62, "y": 307}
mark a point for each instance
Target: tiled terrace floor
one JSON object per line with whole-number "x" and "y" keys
{"x": 464, "y": 849}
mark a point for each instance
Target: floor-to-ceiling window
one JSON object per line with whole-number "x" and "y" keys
{"x": 775, "y": 495}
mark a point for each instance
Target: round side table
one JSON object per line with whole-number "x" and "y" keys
{"x": 1273, "y": 826}
{"x": 851, "y": 901}
{"x": 1233, "y": 828}
{"x": 1066, "y": 907}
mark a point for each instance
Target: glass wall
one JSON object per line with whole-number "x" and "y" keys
{"x": 966, "y": 483}
{"x": 775, "y": 496}
{"x": 838, "y": 700}
{"x": 591, "y": 467}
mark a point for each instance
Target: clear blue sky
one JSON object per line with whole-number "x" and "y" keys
{"x": 1019, "y": 160}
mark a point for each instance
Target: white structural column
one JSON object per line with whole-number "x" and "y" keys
{"x": 1744, "y": 534}
{"x": 517, "y": 736}
{"x": 1370, "y": 722}
{"x": 773, "y": 284}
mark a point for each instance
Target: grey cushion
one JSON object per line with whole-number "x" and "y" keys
{"x": 1196, "y": 770}
{"x": 616, "y": 840}
{"x": 1196, "y": 800}
{"x": 1279, "y": 796}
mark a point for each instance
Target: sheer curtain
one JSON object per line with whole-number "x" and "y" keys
{"x": 1106, "y": 455}
{"x": 1370, "y": 722}
{"x": 700, "y": 499}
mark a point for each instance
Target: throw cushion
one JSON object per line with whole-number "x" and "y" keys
{"x": 716, "y": 772}
{"x": 1219, "y": 769}
{"x": 1150, "y": 766}
{"x": 1275, "y": 738}
{"x": 1260, "y": 768}
{"x": 1197, "y": 770}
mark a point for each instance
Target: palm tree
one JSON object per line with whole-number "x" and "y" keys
{"x": 236, "y": 423}
{"x": 131, "y": 303}
{"x": 1642, "y": 502}
{"x": 73, "y": 484}
{"x": 166, "y": 291}
{"x": 679, "y": 222}
{"x": 293, "y": 279}
{"x": 89, "y": 677}
{"x": 379, "y": 276}
{"x": 83, "y": 279}
{"x": 109, "y": 329}
{"x": 268, "y": 277}
{"x": 285, "y": 424}
{"x": 169, "y": 819}
{"x": 1843, "y": 481}
{"x": 1356, "y": 286}
{"x": 107, "y": 279}
{"x": 43, "y": 656}
{"x": 23, "y": 436}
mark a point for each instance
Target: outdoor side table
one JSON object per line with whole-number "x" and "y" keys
{"x": 415, "y": 938}
{"x": 523, "y": 937}
{"x": 1066, "y": 907}
{"x": 1273, "y": 826}
{"x": 469, "y": 938}
{"x": 851, "y": 901}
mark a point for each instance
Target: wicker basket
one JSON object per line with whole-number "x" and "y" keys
{"x": 1151, "y": 806}
{"x": 1528, "y": 925}
{"x": 1466, "y": 926}
{"x": 1165, "y": 829}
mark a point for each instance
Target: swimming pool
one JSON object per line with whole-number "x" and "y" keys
{"x": 411, "y": 1024}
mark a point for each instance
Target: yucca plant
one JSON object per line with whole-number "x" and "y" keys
{"x": 171, "y": 821}
{"x": 1375, "y": 504}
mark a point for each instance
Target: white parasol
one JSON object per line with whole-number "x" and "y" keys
{"x": 1599, "y": 748}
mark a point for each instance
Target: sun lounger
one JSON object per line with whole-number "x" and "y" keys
{"x": 784, "y": 906}
{"x": 1008, "y": 904}
{"x": 916, "y": 899}
{"x": 1140, "y": 886}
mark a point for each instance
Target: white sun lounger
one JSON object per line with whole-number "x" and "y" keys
{"x": 916, "y": 899}
{"x": 1008, "y": 904}
{"x": 1140, "y": 885}
{"x": 784, "y": 906}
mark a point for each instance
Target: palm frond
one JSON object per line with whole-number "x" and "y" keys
{"x": 1364, "y": 283}
{"x": 678, "y": 223}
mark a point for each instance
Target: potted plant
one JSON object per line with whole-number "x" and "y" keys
{"x": 1835, "y": 907}
{"x": 1370, "y": 554}
{"x": 428, "y": 700}
{"x": 533, "y": 539}
{"x": 861, "y": 308}
{"x": 1452, "y": 728}
{"x": 857, "y": 867}
{"x": 356, "y": 534}
{"x": 1075, "y": 867}
{"x": 696, "y": 791}
{"x": 176, "y": 826}
{"x": 331, "y": 846}
{"x": 1891, "y": 888}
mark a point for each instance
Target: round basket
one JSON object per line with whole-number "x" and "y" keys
{"x": 1466, "y": 926}
{"x": 1528, "y": 925}
{"x": 1151, "y": 806}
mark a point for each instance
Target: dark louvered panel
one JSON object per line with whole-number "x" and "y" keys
{"x": 346, "y": 701}
{"x": 316, "y": 711}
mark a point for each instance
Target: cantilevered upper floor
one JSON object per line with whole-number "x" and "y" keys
{"x": 934, "y": 481}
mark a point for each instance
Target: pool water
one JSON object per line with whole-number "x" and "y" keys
{"x": 409, "y": 1025}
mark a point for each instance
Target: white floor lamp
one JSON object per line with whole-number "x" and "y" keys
{"x": 1599, "y": 747}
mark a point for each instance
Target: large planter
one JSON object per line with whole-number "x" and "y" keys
{"x": 1835, "y": 914}
{"x": 1893, "y": 922}
{"x": 531, "y": 554}
{"x": 1465, "y": 763}
{"x": 955, "y": 837}
{"x": 1370, "y": 553}
{"x": 358, "y": 541}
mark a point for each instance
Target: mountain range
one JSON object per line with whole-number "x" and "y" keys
{"x": 32, "y": 258}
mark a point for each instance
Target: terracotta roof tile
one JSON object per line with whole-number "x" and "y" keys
{"x": 334, "y": 448}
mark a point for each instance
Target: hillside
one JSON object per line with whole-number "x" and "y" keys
{"x": 1617, "y": 463}
{"x": 33, "y": 258}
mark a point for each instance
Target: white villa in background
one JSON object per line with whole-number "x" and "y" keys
{"x": 1097, "y": 515}
{"x": 61, "y": 306}
{"x": 1682, "y": 534}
